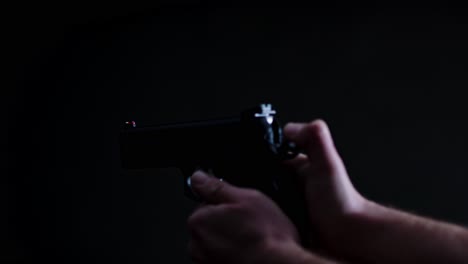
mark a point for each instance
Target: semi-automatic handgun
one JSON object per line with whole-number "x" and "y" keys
{"x": 245, "y": 150}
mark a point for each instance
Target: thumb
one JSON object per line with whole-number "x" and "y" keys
{"x": 214, "y": 190}
{"x": 315, "y": 140}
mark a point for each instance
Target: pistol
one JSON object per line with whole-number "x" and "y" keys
{"x": 247, "y": 150}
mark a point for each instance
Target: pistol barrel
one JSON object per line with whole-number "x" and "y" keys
{"x": 174, "y": 145}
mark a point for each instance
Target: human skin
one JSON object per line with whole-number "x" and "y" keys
{"x": 356, "y": 229}
{"x": 239, "y": 225}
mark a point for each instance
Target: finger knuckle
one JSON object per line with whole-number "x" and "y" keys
{"x": 255, "y": 195}
{"x": 217, "y": 188}
{"x": 317, "y": 127}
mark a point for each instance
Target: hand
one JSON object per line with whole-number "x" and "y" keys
{"x": 329, "y": 194}
{"x": 239, "y": 225}
{"x": 357, "y": 229}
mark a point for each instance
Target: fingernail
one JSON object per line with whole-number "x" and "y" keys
{"x": 199, "y": 178}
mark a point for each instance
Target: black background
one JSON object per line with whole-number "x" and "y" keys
{"x": 389, "y": 81}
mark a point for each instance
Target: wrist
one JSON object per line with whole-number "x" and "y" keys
{"x": 353, "y": 228}
{"x": 339, "y": 223}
